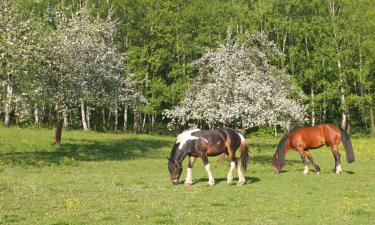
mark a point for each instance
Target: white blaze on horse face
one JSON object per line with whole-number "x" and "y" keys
{"x": 186, "y": 136}
{"x": 211, "y": 180}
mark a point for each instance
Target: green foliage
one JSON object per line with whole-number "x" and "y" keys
{"x": 328, "y": 45}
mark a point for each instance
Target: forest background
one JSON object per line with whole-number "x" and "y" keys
{"x": 144, "y": 58}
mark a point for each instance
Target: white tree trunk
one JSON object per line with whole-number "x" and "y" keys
{"x": 344, "y": 118}
{"x": 116, "y": 117}
{"x": 65, "y": 117}
{"x": 83, "y": 116}
{"x": 144, "y": 122}
{"x": 8, "y": 103}
{"x": 125, "y": 117}
{"x": 88, "y": 117}
{"x": 36, "y": 114}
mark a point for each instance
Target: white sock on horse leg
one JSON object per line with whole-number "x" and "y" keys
{"x": 211, "y": 180}
{"x": 338, "y": 169}
{"x": 189, "y": 176}
{"x": 306, "y": 169}
{"x": 241, "y": 178}
{"x": 230, "y": 174}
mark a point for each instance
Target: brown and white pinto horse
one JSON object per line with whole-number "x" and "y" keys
{"x": 204, "y": 143}
{"x": 304, "y": 138}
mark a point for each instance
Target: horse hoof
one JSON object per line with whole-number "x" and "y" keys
{"x": 241, "y": 183}
{"x": 188, "y": 184}
{"x": 318, "y": 172}
{"x": 211, "y": 183}
{"x": 229, "y": 181}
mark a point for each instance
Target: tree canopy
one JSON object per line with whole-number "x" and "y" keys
{"x": 116, "y": 48}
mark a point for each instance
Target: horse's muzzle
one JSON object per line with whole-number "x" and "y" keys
{"x": 175, "y": 181}
{"x": 276, "y": 170}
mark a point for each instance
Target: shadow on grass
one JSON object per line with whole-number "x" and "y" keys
{"x": 249, "y": 180}
{"x": 265, "y": 159}
{"x": 89, "y": 150}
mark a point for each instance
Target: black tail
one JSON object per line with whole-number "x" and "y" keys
{"x": 347, "y": 145}
{"x": 244, "y": 148}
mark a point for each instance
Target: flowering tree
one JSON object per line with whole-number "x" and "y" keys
{"x": 81, "y": 66}
{"x": 236, "y": 84}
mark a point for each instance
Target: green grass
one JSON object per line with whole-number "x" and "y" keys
{"x": 95, "y": 178}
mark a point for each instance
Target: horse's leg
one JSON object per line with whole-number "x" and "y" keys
{"x": 336, "y": 155}
{"x": 211, "y": 180}
{"x": 189, "y": 175}
{"x": 309, "y": 156}
{"x": 241, "y": 177}
{"x": 301, "y": 151}
{"x": 233, "y": 162}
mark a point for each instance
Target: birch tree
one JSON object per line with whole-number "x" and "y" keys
{"x": 15, "y": 49}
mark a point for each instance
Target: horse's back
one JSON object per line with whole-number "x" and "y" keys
{"x": 315, "y": 136}
{"x": 219, "y": 139}
{"x": 307, "y": 137}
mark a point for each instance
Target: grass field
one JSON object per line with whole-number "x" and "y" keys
{"x": 95, "y": 178}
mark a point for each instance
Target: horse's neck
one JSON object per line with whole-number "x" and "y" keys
{"x": 181, "y": 155}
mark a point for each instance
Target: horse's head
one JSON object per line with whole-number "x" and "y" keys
{"x": 276, "y": 165}
{"x": 174, "y": 166}
{"x": 278, "y": 157}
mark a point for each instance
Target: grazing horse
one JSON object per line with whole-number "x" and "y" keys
{"x": 304, "y": 138}
{"x": 204, "y": 143}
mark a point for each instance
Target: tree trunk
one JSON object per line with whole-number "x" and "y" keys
{"x": 8, "y": 103}
{"x": 83, "y": 116}
{"x": 153, "y": 121}
{"x": 136, "y": 121}
{"x": 109, "y": 119}
{"x": 103, "y": 119}
{"x": 125, "y": 117}
{"x": 59, "y": 124}
{"x": 116, "y": 117}
{"x": 275, "y": 129}
{"x": 65, "y": 116}
{"x": 36, "y": 115}
{"x": 345, "y": 109}
{"x": 88, "y": 117}
{"x": 312, "y": 106}
{"x": 372, "y": 120}
{"x": 144, "y": 122}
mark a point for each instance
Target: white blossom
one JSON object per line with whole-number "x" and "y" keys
{"x": 237, "y": 85}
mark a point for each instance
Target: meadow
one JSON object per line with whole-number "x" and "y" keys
{"x": 98, "y": 178}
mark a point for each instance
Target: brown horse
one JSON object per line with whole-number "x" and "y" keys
{"x": 304, "y": 138}
{"x": 204, "y": 143}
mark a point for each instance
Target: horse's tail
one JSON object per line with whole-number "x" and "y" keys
{"x": 279, "y": 156}
{"x": 347, "y": 145}
{"x": 244, "y": 148}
